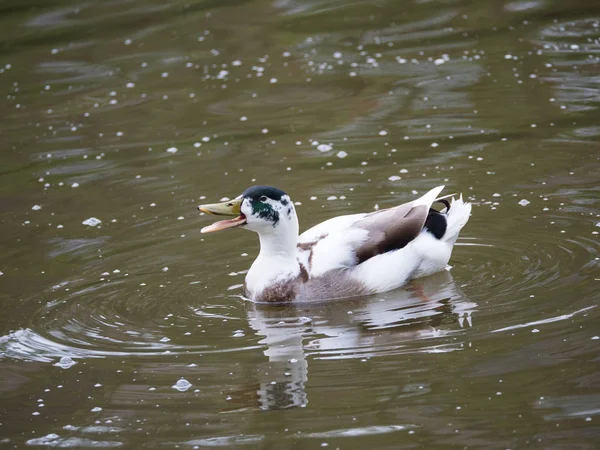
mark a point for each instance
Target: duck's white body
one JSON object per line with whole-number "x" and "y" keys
{"x": 348, "y": 255}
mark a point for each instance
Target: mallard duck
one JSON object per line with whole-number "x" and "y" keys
{"x": 344, "y": 256}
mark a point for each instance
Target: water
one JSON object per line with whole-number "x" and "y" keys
{"x": 122, "y": 325}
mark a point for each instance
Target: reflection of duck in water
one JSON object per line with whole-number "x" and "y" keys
{"x": 404, "y": 321}
{"x": 345, "y": 256}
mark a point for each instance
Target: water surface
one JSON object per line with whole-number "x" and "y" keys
{"x": 129, "y": 330}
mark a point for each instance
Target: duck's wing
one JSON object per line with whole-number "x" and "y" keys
{"x": 394, "y": 228}
{"x": 349, "y": 240}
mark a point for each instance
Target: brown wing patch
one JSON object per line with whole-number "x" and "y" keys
{"x": 390, "y": 229}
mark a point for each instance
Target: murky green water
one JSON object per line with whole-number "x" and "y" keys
{"x": 132, "y": 112}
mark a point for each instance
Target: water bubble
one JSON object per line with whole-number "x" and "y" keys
{"x": 65, "y": 362}
{"x": 172, "y": 150}
{"x": 524, "y": 202}
{"x": 36, "y": 207}
{"x": 182, "y": 385}
{"x": 324, "y": 147}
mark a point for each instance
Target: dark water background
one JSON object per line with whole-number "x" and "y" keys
{"x": 133, "y": 112}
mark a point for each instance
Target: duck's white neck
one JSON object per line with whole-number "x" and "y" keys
{"x": 276, "y": 260}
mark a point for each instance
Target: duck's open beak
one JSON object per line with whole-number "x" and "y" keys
{"x": 228, "y": 208}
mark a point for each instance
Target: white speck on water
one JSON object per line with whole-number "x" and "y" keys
{"x": 92, "y": 222}
{"x": 383, "y": 133}
{"x": 75, "y": 185}
{"x": 595, "y": 338}
{"x": 165, "y": 269}
{"x": 535, "y": 330}
{"x": 239, "y": 333}
{"x": 439, "y": 61}
{"x": 313, "y": 198}
{"x": 324, "y": 147}
{"x": 496, "y": 194}
{"x": 152, "y": 205}
{"x": 182, "y": 385}
{"x": 65, "y": 362}
{"x": 165, "y": 339}
{"x": 164, "y": 74}
{"x": 293, "y": 360}
{"x": 394, "y": 178}
{"x": 403, "y": 171}
{"x": 97, "y": 385}
{"x": 341, "y": 154}
{"x": 180, "y": 218}
{"x": 222, "y": 75}
{"x": 172, "y": 150}
{"x": 337, "y": 55}
{"x": 130, "y": 85}
{"x": 524, "y": 202}
{"x": 96, "y": 409}
{"x": 435, "y": 144}
{"x": 273, "y": 80}
{"x": 236, "y": 63}
{"x": 36, "y": 207}
{"x": 205, "y": 139}
{"x": 264, "y": 130}
{"x": 59, "y": 226}
{"x": 243, "y": 118}
{"x": 332, "y": 197}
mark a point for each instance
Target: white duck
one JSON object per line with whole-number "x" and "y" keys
{"x": 344, "y": 256}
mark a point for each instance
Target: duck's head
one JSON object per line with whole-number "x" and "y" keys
{"x": 263, "y": 209}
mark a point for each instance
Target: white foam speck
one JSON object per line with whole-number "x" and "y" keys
{"x": 435, "y": 144}
{"x": 337, "y": 55}
{"x": 383, "y": 133}
{"x": 332, "y": 197}
{"x": 165, "y": 339}
{"x": 341, "y": 154}
{"x": 36, "y": 207}
{"x": 324, "y": 147}
{"x": 524, "y": 202}
{"x": 273, "y": 80}
{"x": 74, "y": 185}
{"x": 92, "y": 222}
{"x": 172, "y": 150}
{"x": 96, "y": 409}
{"x": 394, "y": 178}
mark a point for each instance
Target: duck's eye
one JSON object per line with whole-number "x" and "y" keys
{"x": 230, "y": 204}
{"x": 263, "y": 198}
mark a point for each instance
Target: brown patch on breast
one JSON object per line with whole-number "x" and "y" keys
{"x": 284, "y": 291}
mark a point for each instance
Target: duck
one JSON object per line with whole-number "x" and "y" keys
{"x": 345, "y": 256}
